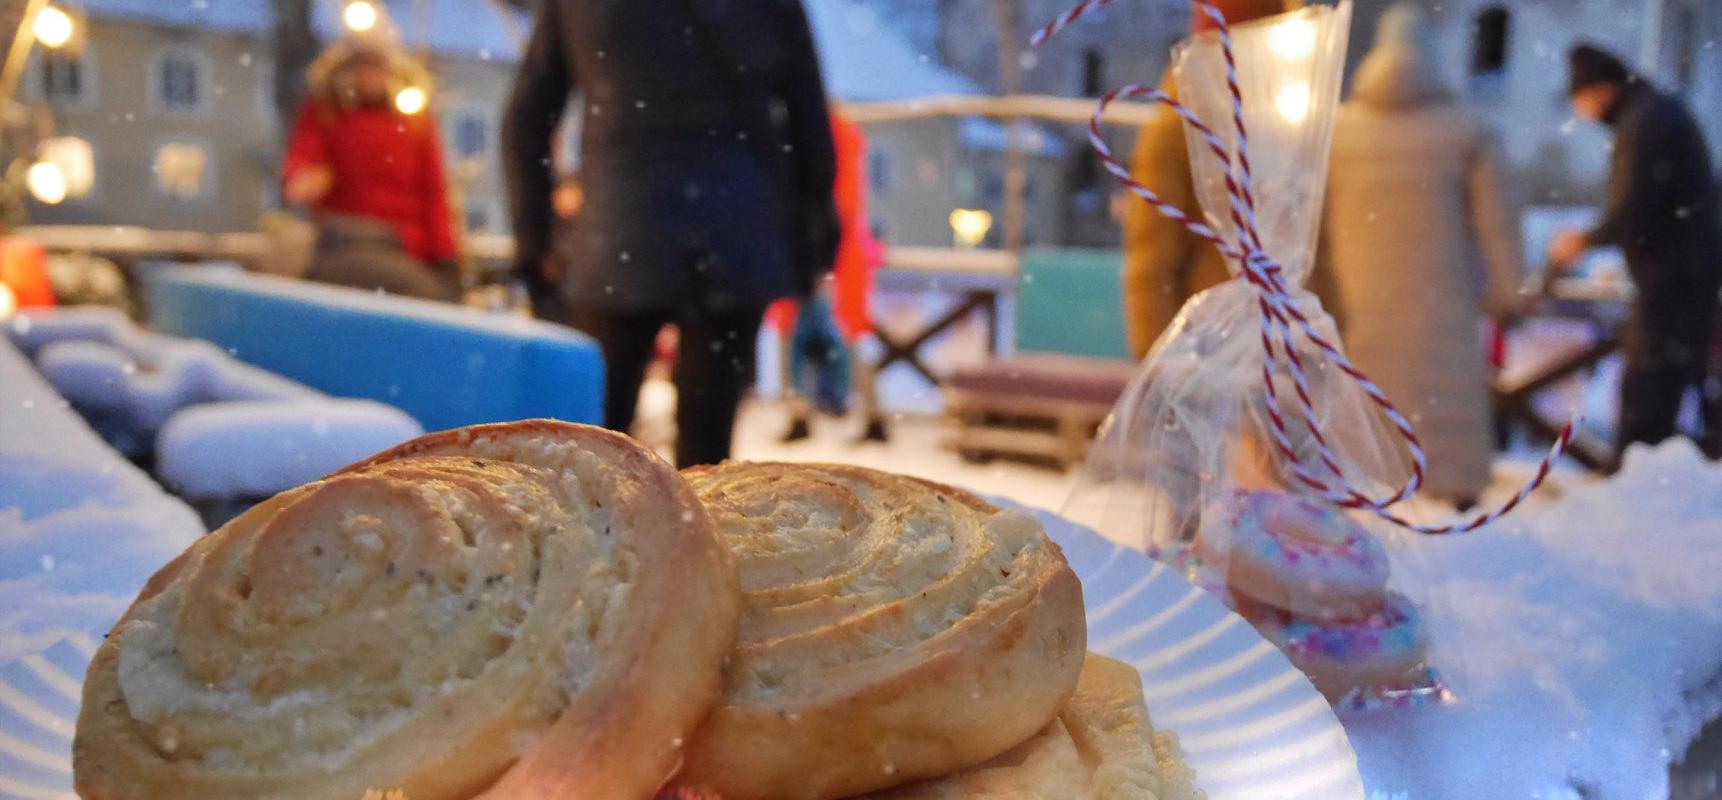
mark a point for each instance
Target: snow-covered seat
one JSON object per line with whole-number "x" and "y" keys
{"x": 218, "y": 429}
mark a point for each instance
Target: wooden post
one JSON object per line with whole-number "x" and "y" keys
{"x": 1016, "y": 161}
{"x": 22, "y": 38}
{"x": 296, "y": 47}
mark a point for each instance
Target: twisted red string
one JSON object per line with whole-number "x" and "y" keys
{"x": 1280, "y": 317}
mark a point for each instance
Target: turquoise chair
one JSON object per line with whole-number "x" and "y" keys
{"x": 1069, "y": 302}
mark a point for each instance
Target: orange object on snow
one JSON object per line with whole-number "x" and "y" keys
{"x": 858, "y": 253}
{"x": 24, "y": 270}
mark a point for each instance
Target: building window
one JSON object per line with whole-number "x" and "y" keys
{"x": 1093, "y": 73}
{"x": 992, "y": 187}
{"x": 1490, "y": 34}
{"x": 62, "y": 78}
{"x": 180, "y": 80}
{"x": 471, "y": 135}
{"x": 878, "y": 170}
{"x": 182, "y": 170}
{"x": 478, "y": 218}
{"x": 1685, "y": 35}
{"x": 484, "y": 215}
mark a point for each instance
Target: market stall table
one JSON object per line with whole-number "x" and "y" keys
{"x": 1598, "y": 307}
{"x": 983, "y": 278}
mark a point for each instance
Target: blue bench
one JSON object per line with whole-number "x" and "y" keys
{"x": 445, "y": 365}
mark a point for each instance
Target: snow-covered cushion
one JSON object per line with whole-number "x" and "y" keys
{"x": 256, "y": 449}
{"x": 218, "y": 427}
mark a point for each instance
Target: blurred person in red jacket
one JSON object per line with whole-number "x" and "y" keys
{"x": 366, "y": 158}
{"x": 850, "y": 288}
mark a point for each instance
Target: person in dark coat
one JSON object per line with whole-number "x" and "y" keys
{"x": 707, "y": 166}
{"x": 1662, "y": 212}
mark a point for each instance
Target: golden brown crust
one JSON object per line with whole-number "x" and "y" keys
{"x": 892, "y": 629}
{"x": 532, "y": 609}
{"x": 1101, "y": 747}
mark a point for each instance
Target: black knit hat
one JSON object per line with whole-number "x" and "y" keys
{"x": 1589, "y": 65}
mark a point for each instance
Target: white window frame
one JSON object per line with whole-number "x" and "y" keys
{"x": 205, "y": 66}
{"x": 211, "y": 169}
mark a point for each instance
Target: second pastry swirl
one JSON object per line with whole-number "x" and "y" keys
{"x": 892, "y": 629}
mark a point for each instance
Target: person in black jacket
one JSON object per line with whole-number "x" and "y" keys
{"x": 1662, "y": 212}
{"x": 707, "y": 166}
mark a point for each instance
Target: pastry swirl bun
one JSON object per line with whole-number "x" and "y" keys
{"x": 533, "y": 609}
{"x": 892, "y": 629}
{"x": 1102, "y": 746}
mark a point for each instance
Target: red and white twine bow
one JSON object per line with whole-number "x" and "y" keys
{"x": 1279, "y": 314}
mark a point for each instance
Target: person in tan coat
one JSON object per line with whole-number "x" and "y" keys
{"x": 1164, "y": 265}
{"x": 1422, "y": 242}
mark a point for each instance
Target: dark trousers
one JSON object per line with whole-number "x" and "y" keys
{"x": 713, "y": 367}
{"x": 1667, "y": 356}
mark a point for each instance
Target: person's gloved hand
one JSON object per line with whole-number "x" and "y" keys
{"x": 1567, "y": 248}
{"x": 308, "y": 185}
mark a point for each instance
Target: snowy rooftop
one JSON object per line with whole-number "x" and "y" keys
{"x": 867, "y": 60}
{"x": 471, "y": 27}
{"x": 864, "y": 57}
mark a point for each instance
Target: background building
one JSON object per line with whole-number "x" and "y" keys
{"x": 1509, "y": 58}
{"x": 169, "y": 103}
{"x": 172, "y": 103}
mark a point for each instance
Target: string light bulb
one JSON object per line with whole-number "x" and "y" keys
{"x": 46, "y": 183}
{"x": 1292, "y": 102}
{"x": 52, "y": 27}
{"x": 410, "y": 100}
{"x": 360, "y": 16}
{"x": 1293, "y": 39}
{"x": 970, "y": 226}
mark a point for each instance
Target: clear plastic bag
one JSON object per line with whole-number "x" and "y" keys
{"x": 1192, "y": 466}
{"x": 1193, "y": 425}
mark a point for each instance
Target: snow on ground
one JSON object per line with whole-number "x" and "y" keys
{"x": 81, "y": 529}
{"x": 915, "y": 449}
{"x": 1582, "y": 639}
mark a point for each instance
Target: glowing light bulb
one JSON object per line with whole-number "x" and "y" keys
{"x": 1292, "y": 101}
{"x": 47, "y": 183}
{"x": 8, "y": 302}
{"x": 410, "y": 100}
{"x": 970, "y": 225}
{"x": 52, "y": 27}
{"x": 1292, "y": 40}
{"x": 361, "y": 15}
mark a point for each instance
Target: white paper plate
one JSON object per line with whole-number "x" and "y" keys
{"x": 38, "y": 710}
{"x": 1251, "y": 725}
